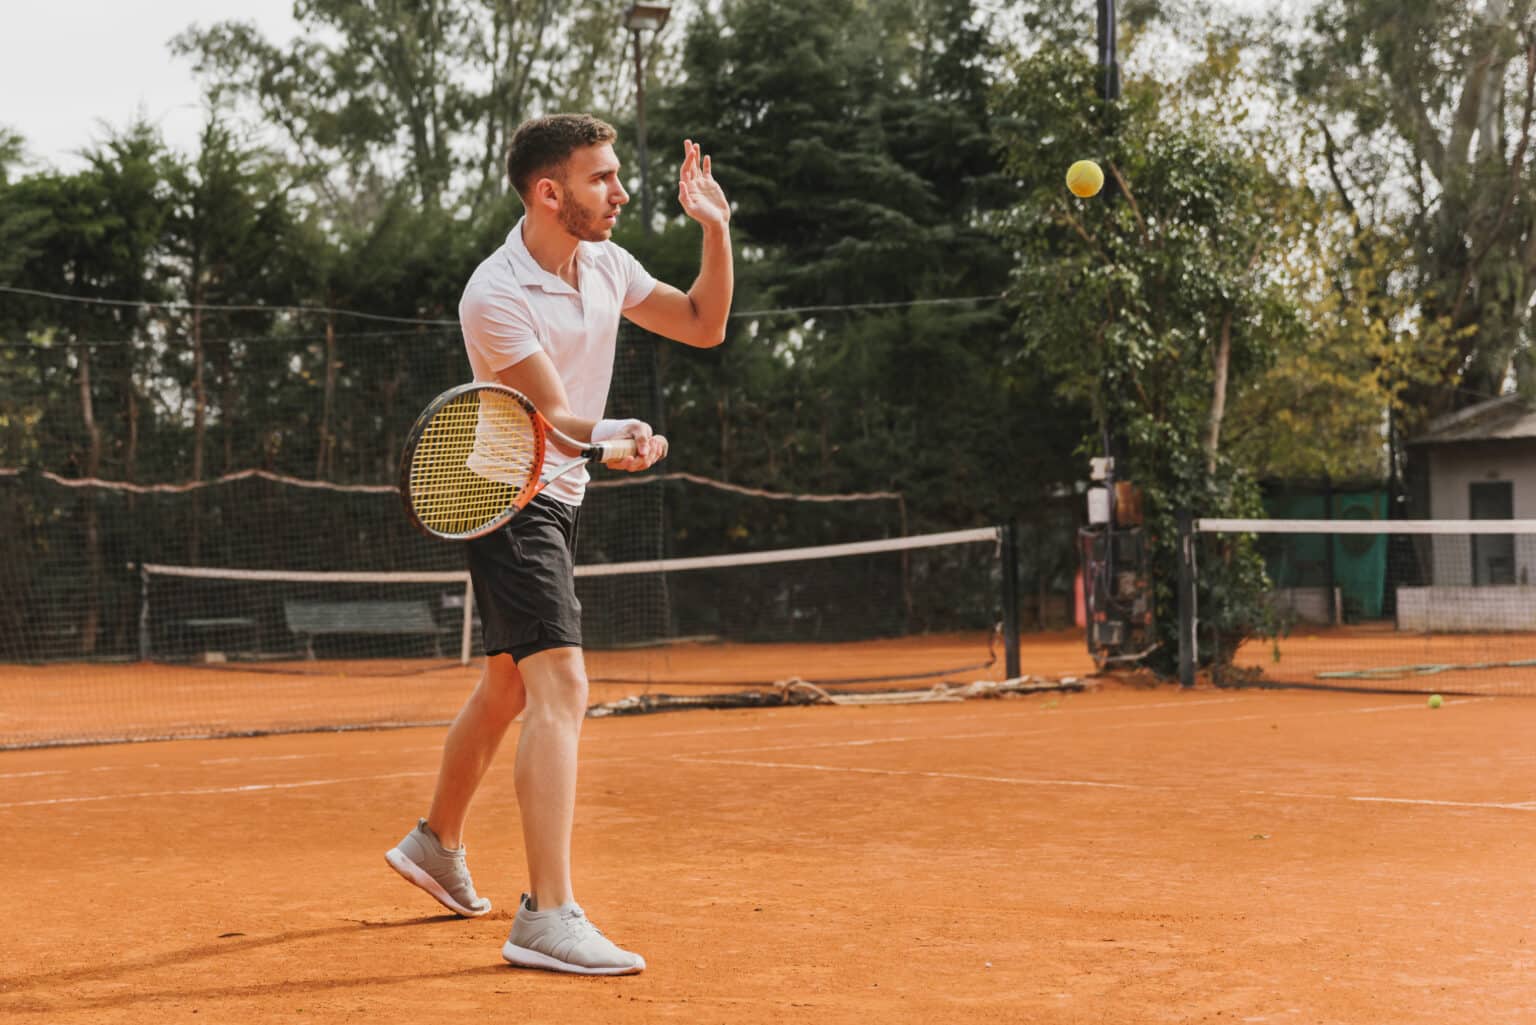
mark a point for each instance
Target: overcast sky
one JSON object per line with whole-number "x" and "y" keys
{"x": 66, "y": 66}
{"x": 69, "y": 67}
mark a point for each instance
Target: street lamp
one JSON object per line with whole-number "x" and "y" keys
{"x": 638, "y": 19}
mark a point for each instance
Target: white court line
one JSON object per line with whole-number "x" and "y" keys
{"x": 248, "y": 788}
{"x": 1367, "y": 799}
{"x": 238, "y": 759}
{"x": 232, "y": 760}
{"x": 590, "y": 736}
{"x": 1030, "y": 713}
{"x": 1403, "y": 707}
{"x": 1099, "y": 784}
{"x": 1019, "y": 781}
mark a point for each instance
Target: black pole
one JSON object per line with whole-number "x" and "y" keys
{"x": 1011, "y": 600}
{"x": 1189, "y": 653}
{"x": 1109, "y": 92}
{"x": 1109, "y": 61}
{"x": 1334, "y": 617}
{"x": 645, "y": 194}
{"x": 143, "y": 613}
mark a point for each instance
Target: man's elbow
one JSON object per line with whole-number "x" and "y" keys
{"x": 706, "y": 336}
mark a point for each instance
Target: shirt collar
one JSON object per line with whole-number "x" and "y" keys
{"x": 532, "y": 273}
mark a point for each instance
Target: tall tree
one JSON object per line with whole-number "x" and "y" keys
{"x": 1157, "y": 301}
{"x": 81, "y": 386}
{"x": 1428, "y": 109}
{"x": 423, "y": 93}
{"x": 857, "y": 145}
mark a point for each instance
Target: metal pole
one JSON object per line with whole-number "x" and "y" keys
{"x": 143, "y": 613}
{"x": 1109, "y": 61}
{"x": 1335, "y": 613}
{"x": 645, "y": 194}
{"x": 1011, "y": 600}
{"x": 467, "y": 628}
{"x": 1189, "y": 653}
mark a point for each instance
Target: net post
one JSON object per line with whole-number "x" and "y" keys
{"x": 1010, "y": 537}
{"x": 1335, "y": 613}
{"x": 468, "y": 628}
{"x": 143, "y": 613}
{"x": 1188, "y": 651}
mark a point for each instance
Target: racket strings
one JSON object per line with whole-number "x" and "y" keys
{"x": 476, "y": 457}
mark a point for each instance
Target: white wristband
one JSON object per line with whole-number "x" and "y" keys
{"x": 607, "y": 430}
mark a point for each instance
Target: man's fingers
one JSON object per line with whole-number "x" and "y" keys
{"x": 648, "y": 451}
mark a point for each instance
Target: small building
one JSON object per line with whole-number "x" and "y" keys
{"x": 1478, "y": 463}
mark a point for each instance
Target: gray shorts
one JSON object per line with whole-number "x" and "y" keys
{"x": 525, "y": 581}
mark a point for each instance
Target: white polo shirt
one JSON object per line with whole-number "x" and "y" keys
{"x": 512, "y": 308}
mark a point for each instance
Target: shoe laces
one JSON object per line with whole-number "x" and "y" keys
{"x": 580, "y": 922}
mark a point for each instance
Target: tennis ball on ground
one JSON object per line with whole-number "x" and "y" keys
{"x": 1085, "y": 179}
{"x": 1435, "y": 701}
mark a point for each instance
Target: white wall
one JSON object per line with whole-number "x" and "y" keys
{"x": 1452, "y": 469}
{"x": 1466, "y": 609}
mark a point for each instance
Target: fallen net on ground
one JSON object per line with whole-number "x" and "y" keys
{"x": 1389, "y": 605}
{"x": 800, "y": 692}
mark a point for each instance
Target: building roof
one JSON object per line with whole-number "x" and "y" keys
{"x": 1506, "y": 418}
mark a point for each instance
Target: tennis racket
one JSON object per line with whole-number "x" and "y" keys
{"x": 476, "y": 456}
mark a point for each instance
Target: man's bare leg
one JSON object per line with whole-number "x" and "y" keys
{"x": 432, "y": 855}
{"x": 550, "y": 930}
{"x": 555, "y": 681}
{"x": 471, "y": 746}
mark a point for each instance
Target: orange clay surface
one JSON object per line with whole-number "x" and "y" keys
{"x": 1377, "y": 656}
{"x": 73, "y": 701}
{"x": 1124, "y": 855}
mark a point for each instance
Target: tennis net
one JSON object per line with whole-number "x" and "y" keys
{"x": 1431, "y": 606}
{"x": 231, "y": 650}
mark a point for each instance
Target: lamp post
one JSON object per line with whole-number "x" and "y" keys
{"x": 641, "y": 18}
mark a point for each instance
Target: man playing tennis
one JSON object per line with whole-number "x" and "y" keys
{"x": 541, "y": 315}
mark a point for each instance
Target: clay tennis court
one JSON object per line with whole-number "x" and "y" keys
{"x": 1376, "y": 656}
{"x": 1124, "y": 854}
{"x": 75, "y": 702}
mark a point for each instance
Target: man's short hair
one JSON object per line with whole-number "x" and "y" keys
{"x": 542, "y": 145}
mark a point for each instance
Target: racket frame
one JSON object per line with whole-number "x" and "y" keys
{"x": 544, "y": 431}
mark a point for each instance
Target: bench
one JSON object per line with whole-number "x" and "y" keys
{"x": 310, "y": 619}
{"x": 207, "y": 630}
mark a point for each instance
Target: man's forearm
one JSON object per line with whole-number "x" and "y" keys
{"x": 712, "y": 289}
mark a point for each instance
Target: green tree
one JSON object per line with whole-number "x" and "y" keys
{"x": 857, "y": 145}
{"x": 1428, "y": 113}
{"x": 1157, "y": 302}
{"x": 1328, "y": 405}
{"x": 434, "y": 89}
{"x": 78, "y": 389}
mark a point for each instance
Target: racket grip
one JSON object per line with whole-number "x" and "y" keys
{"x": 618, "y": 448}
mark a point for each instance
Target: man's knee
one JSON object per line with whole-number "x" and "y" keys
{"x": 501, "y": 685}
{"x": 556, "y": 679}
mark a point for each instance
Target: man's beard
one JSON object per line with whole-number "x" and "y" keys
{"x": 583, "y": 224}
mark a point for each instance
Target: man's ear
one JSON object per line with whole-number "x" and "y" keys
{"x": 547, "y": 194}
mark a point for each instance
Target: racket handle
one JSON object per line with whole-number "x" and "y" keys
{"x": 608, "y": 451}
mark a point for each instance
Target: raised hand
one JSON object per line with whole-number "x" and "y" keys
{"x": 698, "y": 192}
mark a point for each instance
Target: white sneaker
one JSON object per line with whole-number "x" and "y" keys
{"x": 563, "y": 940}
{"x": 422, "y": 860}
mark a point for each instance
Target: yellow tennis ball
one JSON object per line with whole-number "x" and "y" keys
{"x": 1085, "y": 179}
{"x": 1435, "y": 701}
